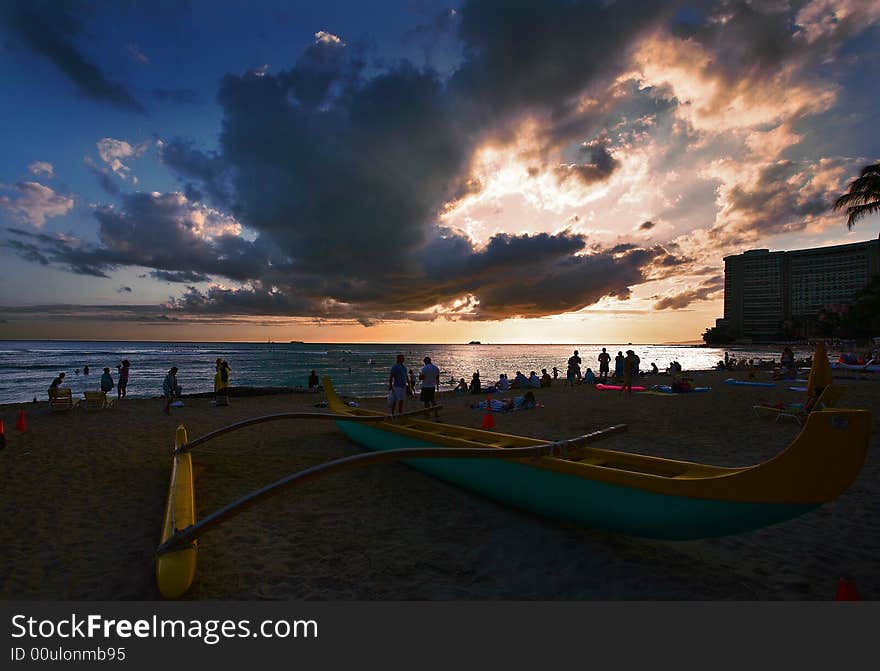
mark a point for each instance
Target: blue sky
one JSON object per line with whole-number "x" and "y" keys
{"x": 417, "y": 170}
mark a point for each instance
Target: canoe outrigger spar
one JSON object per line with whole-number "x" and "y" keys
{"x": 632, "y": 494}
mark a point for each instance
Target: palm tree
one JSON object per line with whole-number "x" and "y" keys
{"x": 863, "y": 197}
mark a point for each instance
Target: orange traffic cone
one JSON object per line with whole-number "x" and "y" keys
{"x": 846, "y": 591}
{"x": 2, "y": 435}
{"x": 488, "y": 421}
{"x": 21, "y": 424}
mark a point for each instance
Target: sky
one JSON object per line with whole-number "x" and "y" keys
{"x": 415, "y": 171}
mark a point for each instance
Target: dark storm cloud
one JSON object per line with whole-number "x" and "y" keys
{"x": 705, "y": 290}
{"x": 512, "y": 276}
{"x": 164, "y": 232}
{"x": 569, "y": 284}
{"x": 599, "y": 166}
{"x": 27, "y": 251}
{"x": 182, "y": 277}
{"x": 646, "y": 226}
{"x": 46, "y": 249}
{"x": 526, "y": 55}
{"x": 51, "y": 30}
{"x": 346, "y": 173}
{"x": 208, "y": 169}
{"x": 323, "y": 65}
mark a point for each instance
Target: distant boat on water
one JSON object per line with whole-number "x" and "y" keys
{"x": 297, "y": 342}
{"x": 475, "y": 342}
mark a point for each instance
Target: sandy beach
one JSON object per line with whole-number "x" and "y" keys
{"x": 84, "y": 492}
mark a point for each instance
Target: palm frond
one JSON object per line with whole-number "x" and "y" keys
{"x": 857, "y": 212}
{"x": 863, "y": 196}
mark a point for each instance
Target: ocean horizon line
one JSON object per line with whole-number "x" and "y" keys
{"x": 688, "y": 343}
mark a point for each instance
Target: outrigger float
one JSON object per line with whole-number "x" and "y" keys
{"x": 631, "y": 494}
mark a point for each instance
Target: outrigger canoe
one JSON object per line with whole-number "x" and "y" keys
{"x": 633, "y": 494}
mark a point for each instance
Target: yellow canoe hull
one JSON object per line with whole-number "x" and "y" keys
{"x": 175, "y": 570}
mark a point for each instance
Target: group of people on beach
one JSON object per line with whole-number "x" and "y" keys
{"x": 401, "y": 383}
{"x": 106, "y": 383}
{"x": 171, "y": 389}
{"x": 402, "y": 380}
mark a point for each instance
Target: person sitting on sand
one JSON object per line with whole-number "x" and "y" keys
{"x": 519, "y": 381}
{"x": 534, "y": 380}
{"x": 546, "y": 380}
{"x": 107, "y": 383}
{"x": 525, "y": 402}
{"x": 681, "y": 385}
{"x": 56, "y": 384}
{"x": 589, "y": 377}
{"x": 555, "y": 373}
{"x": 503, "y": 382}
{"x": 475, "y": 387}
{"x": 654, "y": 369}
{"x": 462, "y": 386}
{"x": 313, "y": 381}
{"x": 170, "y": 389}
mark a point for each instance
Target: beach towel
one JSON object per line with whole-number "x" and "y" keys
{"x": 501, "y": 406}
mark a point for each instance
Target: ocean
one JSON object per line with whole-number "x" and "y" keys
{"x": 28, "y": 367}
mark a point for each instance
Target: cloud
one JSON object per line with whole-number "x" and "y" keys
{"x": 182, "y": 277}
{"x": 601, "y": 164}
{"x": 34, "y": 203}
{"x": 136, "y": 53}
{"x": 113, "y": 151}
{"x": 51, "y": 30}
{"x": 706, "y": 290}
{"x": 646, "y": 226}
{"x": 105, "y": 177}
{"x": 209, "y": 169}
{"x": 159, "y": 231}
{"x": 780, "y": 197}
{"x": 123, "y": 290}
{"x": 42, "y": 168}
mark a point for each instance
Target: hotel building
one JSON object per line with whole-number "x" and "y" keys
{"x": 764, "y": 289}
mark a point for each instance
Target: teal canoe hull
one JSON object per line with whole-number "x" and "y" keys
{"x": 591, "y": 503}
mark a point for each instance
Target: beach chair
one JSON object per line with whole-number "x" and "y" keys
{"x": 96, "y": 400}
{"x": 62, "y": 401}
{"x": 829, "y": 398}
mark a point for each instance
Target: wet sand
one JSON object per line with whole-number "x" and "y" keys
{"x": 84, "y": 492}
